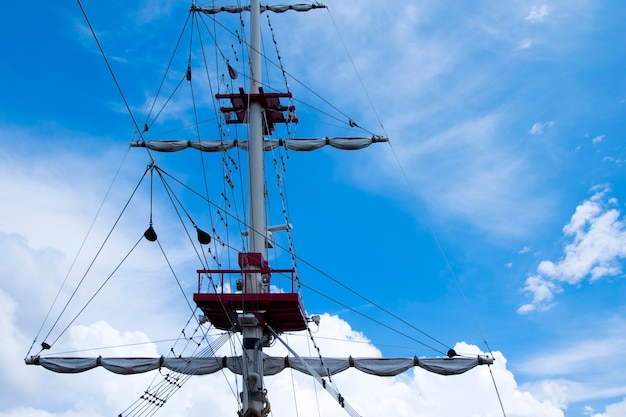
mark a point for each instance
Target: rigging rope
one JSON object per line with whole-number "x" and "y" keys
{"x": 335, "y": 394}
{"x": 169, "y": 264}
{"x": 228, "y": 214}
{"x": 80, "y": 249}
{"x": 156, "y": 396}
{"x": 319, "y": 355}
{"x": 217, "y": 115}
{"x": 97, "y": 291}
{"x": 369, "y": 99}
{"x": 169, "y": 65}
{"x": 207, "y": 197}
{"x": 175, "y": 203}
{"x": 452, "y": 273}
{"x": 360, "y": 313}
{"x": 290, "y": 249}
{"x": 106, "y": 60}
{"x": 227, "y": 160}
{"x": 93, "y": 261}
{"x": 347, "y": 120}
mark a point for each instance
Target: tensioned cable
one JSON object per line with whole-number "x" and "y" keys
{"x": 228, "y": 214}
{"x": 438, "y": 243}
{"x": 280, "y": 169}
{"x": 294, "y": 78}
{"x": 357, "y": 294}
{"x": 106, "y": 60}
{"x": 213, "y": 346}
{"x": 174, "y": 199}
{"x": 286, "y": 219}
{"x": 156, "y": 396}
{"x": 80, "y": 249}
{"x": 167, "y": 101}
{"x": 181, "y": 128}
{"x": 495, "y": 386}
{"x": 347, "y": 119}
{"x": 317, "y": 400}
{"x": 100, "y": 348}
{"x": 169, "y": 65}
{"x": 321, "y": 358}
{"x": 108, "y": 191}
{"x": 452, "y": 273}
{"x": 98, "y": 290}
{"x": 169, "y": 264}
{"x": 293, "y": 387}
{"x": 197, "y": 123}
{"x": 285, "y": 73}
{"x": 226, "y": 171}
{"x": 96, "y": 256}
{"x": 342, "y": 285}
{"x": 333, "y": 392}
{"x": 172, "y": 349}
{"x": 360, "y": 342}
{"x": 378, "y": 321}
{"x": 440, "y": 248}
{"x": 374, "y": 304}
{"x": 177, "y": 203}
{"x": 369, "y": 99}
{"x": 195, "y": 114}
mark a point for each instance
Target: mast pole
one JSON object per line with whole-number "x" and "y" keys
{"x": 255, "y": 139}
{"x": 252, "y": 332}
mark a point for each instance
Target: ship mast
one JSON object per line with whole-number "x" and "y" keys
{"x": 259, "y": 314}
{"x": 255, "y": 139}
{"x": 252, "y": 332}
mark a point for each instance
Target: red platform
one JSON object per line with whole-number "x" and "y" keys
{"x": 281, "y": 311}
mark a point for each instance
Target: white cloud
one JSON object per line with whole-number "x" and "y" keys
{"x": 591, "y": 356}
{"x": 466, "y": 174}
{"x": 543, "y": 294}
{"x": 598, "y": 139}
{"x": 596, "y": 248}
{"x": 579, "y": 370}
{"x": 539, "y": 127}
{"x": 611, "y": 410}
{"x": 538, "y": 13}
{"x": 524, "y": 44}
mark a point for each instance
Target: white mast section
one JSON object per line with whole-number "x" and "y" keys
{"x": 252, "y": 332}
{"x": 255, "y": 139}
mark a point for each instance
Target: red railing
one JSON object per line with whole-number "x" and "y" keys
{"x": 263, "y": 271}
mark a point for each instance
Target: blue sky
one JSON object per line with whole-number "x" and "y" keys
{"x": 504, "y": 177}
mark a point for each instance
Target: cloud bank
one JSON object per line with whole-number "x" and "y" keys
{"x": 596, "y": 245}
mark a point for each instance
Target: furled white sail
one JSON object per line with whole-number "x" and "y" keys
{"x": 345, "y": 143}
{"x": 272, "y": 365}
{"x": 273, "y": 8}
